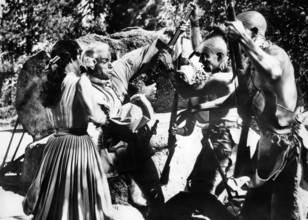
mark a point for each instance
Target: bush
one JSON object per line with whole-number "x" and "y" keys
{"x": 7, "y": 112}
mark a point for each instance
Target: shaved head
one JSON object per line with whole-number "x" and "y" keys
{"x": 253, "y": 19}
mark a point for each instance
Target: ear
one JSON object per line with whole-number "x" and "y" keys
{"x": 254, "y": 32}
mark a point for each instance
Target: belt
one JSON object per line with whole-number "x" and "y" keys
{"x": 74, "y": 131}
{"x": 226, "y": 124}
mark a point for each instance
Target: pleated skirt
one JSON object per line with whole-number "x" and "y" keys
{"x": 70, "y": 183}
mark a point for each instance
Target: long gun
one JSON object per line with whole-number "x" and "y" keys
{"x": 172, "y": 137}
{"x": 243, "y": 154}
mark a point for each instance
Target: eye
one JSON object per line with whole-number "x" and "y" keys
{"x": 103, "y": 60}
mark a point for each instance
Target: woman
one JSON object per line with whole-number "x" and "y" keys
{"x": 70, "y": 183}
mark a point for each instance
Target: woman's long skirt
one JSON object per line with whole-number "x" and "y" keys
{"x": 70, "y": 183}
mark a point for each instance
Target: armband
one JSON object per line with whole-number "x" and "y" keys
{"x": 184, "y": 131}
{"x": 195, "y": 23}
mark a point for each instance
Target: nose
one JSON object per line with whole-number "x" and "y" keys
{"x": 106, "y": 66}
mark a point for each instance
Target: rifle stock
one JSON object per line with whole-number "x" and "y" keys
{"x": 171, "y": 141}
{"x": 243, "y": 154}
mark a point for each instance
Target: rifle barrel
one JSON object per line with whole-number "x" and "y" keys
{"x": 243, "y": 156}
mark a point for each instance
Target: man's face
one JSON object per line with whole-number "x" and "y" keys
{"x": 209, "y": 60}
{"x": 103, "y": 68}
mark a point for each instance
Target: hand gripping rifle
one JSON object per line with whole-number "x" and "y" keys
{"x": 178, "y": 31}
{"x": 241, "y": 95}
{"x": 160, "y": 45}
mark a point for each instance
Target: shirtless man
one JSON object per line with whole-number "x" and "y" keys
{"x": 212, "y": 54}
{"x": 273, "y": 192}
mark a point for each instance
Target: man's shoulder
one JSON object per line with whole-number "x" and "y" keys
{"x": 280, "y": 54}
{"x": 276, "y": 50}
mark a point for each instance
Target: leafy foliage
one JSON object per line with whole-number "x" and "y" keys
{"x": 25, "y": 24}
{"x": 149, "y": 14}
{"x": 287, "y": 27}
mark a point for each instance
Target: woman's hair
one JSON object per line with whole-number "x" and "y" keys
{"x": 62, "y": 53}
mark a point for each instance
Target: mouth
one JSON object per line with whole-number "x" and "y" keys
{"x": 206, "y": 68}
{"x": 108, "y": 72}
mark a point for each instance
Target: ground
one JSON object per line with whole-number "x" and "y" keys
{"x": 10, "y": 195}
{"x": 11, "y": 192}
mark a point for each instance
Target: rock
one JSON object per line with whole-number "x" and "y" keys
{"x": 118, "y": 190}
{"x": 122, "y": 42}
{"x": 31, "y": 113}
